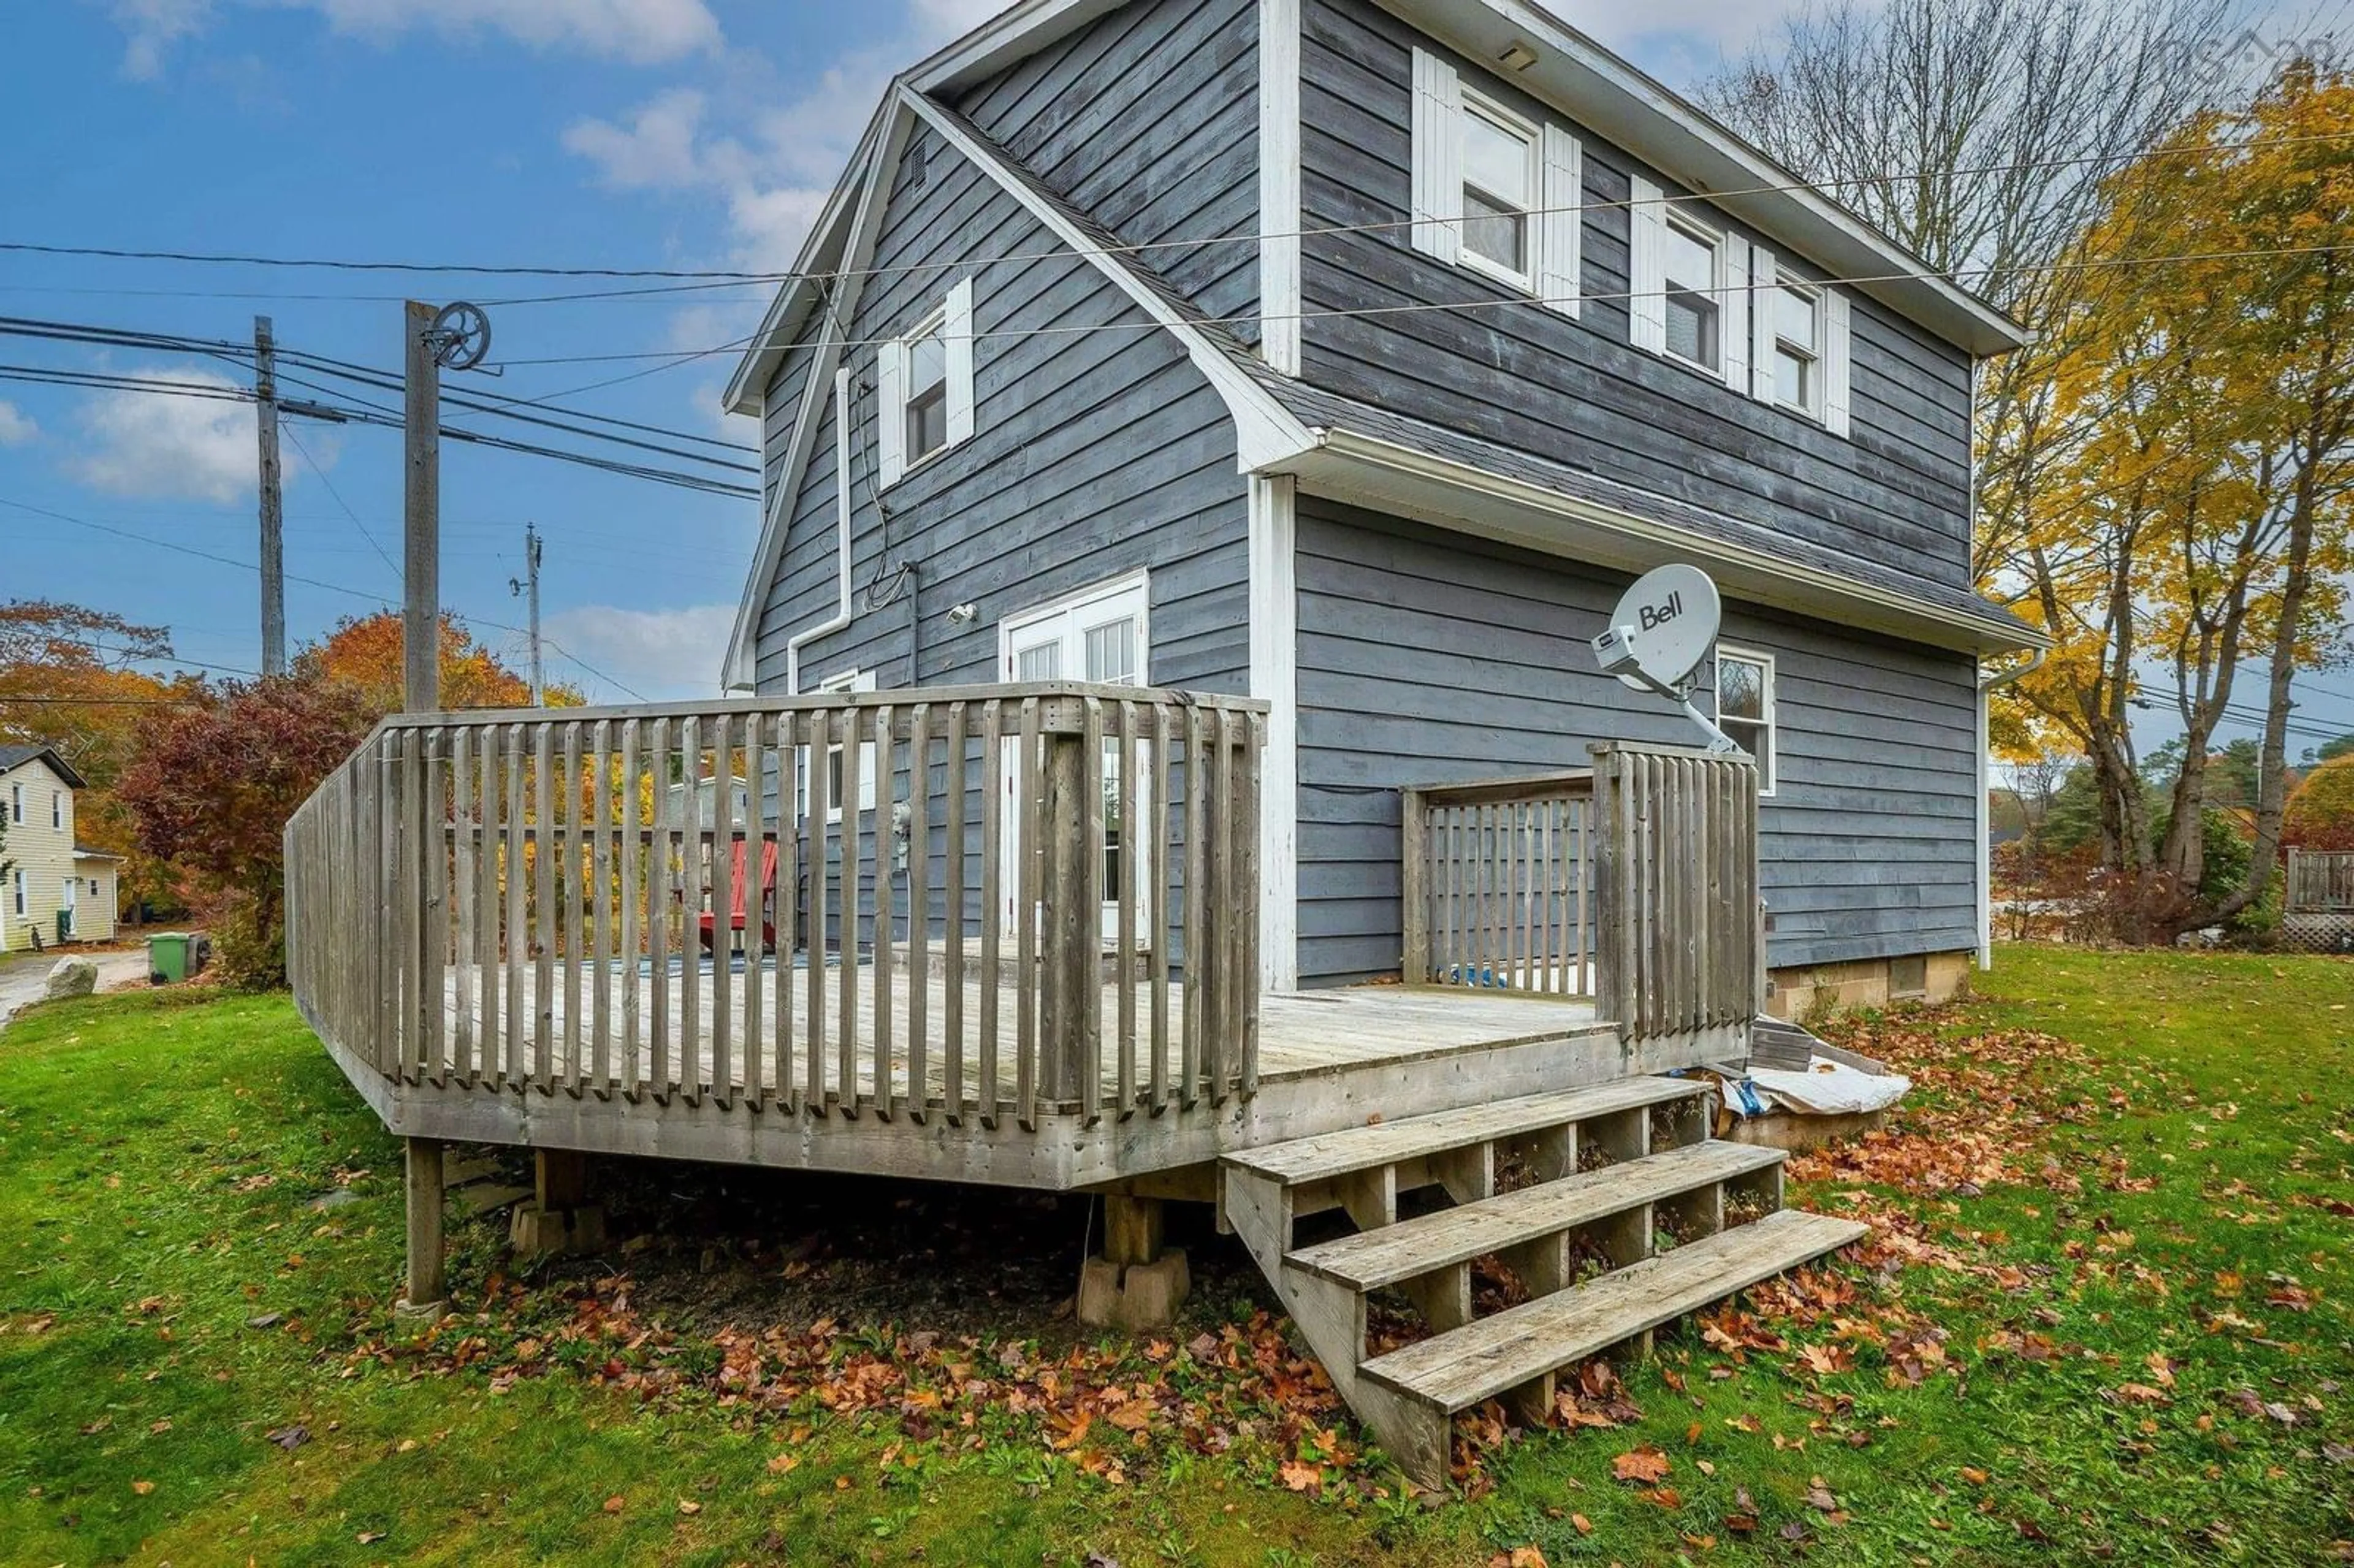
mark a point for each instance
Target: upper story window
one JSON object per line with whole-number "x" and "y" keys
{"x": 1494, "y": 191}
{"x": 56, "y": 807}
{"x": 1745, "y": 706}
{"x": 925, "y": 386}
{"x": 1718, "y": 302}
{"x": 1692, "y": 285}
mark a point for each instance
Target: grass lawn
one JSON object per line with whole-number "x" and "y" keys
{"x": 2104, "y": 1318}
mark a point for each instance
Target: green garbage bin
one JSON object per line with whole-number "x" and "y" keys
{"x": 168, "y": 958}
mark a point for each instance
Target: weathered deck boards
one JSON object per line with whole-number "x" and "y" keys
{"x": 1299, "y": 1034}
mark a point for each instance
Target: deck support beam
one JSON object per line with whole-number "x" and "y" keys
{"x": 559, "y": 1218}
{"x": 423, "y": 1295}
{"x": 1136, "y": 1282}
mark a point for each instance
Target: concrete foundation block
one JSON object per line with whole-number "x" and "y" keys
{"x": 537, "y": 1231}
{"x": 1139, "y": 1299}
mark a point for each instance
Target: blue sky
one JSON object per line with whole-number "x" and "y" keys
{"x": 566, "y": 132}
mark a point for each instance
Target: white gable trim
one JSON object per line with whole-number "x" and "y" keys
{"x": 739, "y": 672}
{"x": 1265, "y": 431}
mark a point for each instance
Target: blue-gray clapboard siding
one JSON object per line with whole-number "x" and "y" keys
{"x": 1094, "y": 452}
{"x": 1147, "y": 119}
{"x": 1894, "y": 491}
{"x": 1426, "y": 656}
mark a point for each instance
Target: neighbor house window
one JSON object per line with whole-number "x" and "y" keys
{"x": 1744, "y": 707}
{"x": 20, "y": 893}
{"x": 1495, "y": 190}
{"x": 15, "y": 802}
{"x": 1690, "y": 282}
{"x": 57, "y": 809}
{"x": 1797, "y": 324}
{"x": 924, "y": 384}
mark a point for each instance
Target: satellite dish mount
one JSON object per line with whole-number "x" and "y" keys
{"x": 1659, "y": 636}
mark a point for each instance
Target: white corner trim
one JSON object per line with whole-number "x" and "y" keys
{"x": 1279, "y": 224}
{"x": 1984, "y": 829}
{"x": 1275, "y": 677}
{"x": 1265, "y": 431}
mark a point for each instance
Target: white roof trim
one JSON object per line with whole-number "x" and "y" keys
{"x": 1456, "y": 495}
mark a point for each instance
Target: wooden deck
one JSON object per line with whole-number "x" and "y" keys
{"x": 1299, "y": 1034}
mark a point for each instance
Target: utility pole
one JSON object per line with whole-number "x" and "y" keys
{"x": 420, "y": 625}
{"x": 273, "y": 518}
{"x": 529, "y": 585}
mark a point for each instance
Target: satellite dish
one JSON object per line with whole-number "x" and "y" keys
{"x": 1659, "y": 635}
{"x": 460, "y": 335}
{"x": 1672, "y": 614}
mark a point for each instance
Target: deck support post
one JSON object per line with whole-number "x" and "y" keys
{"x": 559, "y": 1218}
{"x": 1136, "y": 1282}
{"x": 1073, "y": 929}
{"x": 423, "y": 1295}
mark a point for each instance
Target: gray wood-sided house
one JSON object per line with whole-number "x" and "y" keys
{"x": 1352, "y": 356}
{"x": 1201, "y": 442}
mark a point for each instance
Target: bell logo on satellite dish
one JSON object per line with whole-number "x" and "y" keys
{"x": 1659, "y": 636}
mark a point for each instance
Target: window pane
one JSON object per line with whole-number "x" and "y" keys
{"x": 1794, "y": 380}
{"x": 1496, "y": 160}
{"x": 1111, "y": 653}
{"x": 1740, "y": 689}
{"x": 1043, "y": 662}
{"x": 927, "y": 423}
{"x": 1495, "y": 233}
{"x": 1795, "y": 318}
{"x": 1691, "y": 262}
{"x": 928, "y": 364}
{"x": 1692, "y": 327}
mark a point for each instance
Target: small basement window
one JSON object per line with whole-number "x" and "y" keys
{"x": 924, "y": 384}
{"x": 1744, "y": 707}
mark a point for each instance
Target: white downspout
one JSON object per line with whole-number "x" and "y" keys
{"x": 841, "y": 617}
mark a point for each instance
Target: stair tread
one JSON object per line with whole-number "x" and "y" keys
{"x": 1364, "y": 1147}
{"x": 1457, "y": 1370}
{"x": 1372, "y": 1259}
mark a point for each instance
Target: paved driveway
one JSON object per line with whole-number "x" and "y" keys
{"x": 22, "y": 975}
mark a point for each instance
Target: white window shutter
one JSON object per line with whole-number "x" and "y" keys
{"x": 1647, "y": 266}
{"x": 1438, "y": 157}
{"x": 960, "y": 362}
{"x": 1736, "y": 313}
{"x": 1561, "y": 229}
{"x": 891, "y": 411}
{"x": 1763, "y": 281}
{"x": 1836, "y": 398}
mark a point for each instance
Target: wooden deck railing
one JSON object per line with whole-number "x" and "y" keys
{"x": 1676, "y": 891}
{"x": 991, "y": 902}
{"x": 1498, "y": 883}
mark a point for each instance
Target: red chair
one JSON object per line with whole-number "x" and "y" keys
{"x": 768, "y": 898}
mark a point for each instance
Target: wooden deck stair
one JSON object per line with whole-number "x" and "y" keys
{"x": 1570, "y": 1192}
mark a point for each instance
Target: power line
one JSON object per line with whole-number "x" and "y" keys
{"x": 313, "y": 465}
{"x": 698, "y": 278}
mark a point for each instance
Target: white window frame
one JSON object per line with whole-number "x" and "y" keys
{"x": 20, "y": 895}
{"x": 16, "y": 803}
{"x": 1128, "y": 597}
{"x": 1769, "y": 756}
{"x": 1532, "y": 216}
{"x": 1716, "y": 241}
{"x": 1833, "y": 351}
{"x": 1554, "y": 216}
{"x": 952, "y": 317}
{"x": 1776, "y": 341}
{"x": 851, "y": 679}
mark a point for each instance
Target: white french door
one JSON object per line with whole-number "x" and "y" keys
{"x": 1099, "y": 635}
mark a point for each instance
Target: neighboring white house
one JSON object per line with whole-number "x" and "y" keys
{"x": 52, "y": 887}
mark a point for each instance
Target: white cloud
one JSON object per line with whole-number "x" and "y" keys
{"x": 663, "y": 653}
{"x": 641, "y": 32}
{"x": 176, "y": 448}
{"x": 16, "y": 426}
{"x": 654, "y": 147}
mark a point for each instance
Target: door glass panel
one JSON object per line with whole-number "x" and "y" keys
{"x": 1040, "y": 661}
{"x": 1111, "y": 653}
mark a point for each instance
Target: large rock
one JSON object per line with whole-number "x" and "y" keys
{"x": 70, "y": 976}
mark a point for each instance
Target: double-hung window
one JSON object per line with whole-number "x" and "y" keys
{"x": 15, "y": 802}
{"x": 924, "y": 387}
{"x": 1495, "y": 190}
{"x": 851, "y": 679}
{"x": 58, "y": 808}
{"x": 1692, "y": 287}
{"x": 1745, "y": 706}
{"x": 1796, "y": 314}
